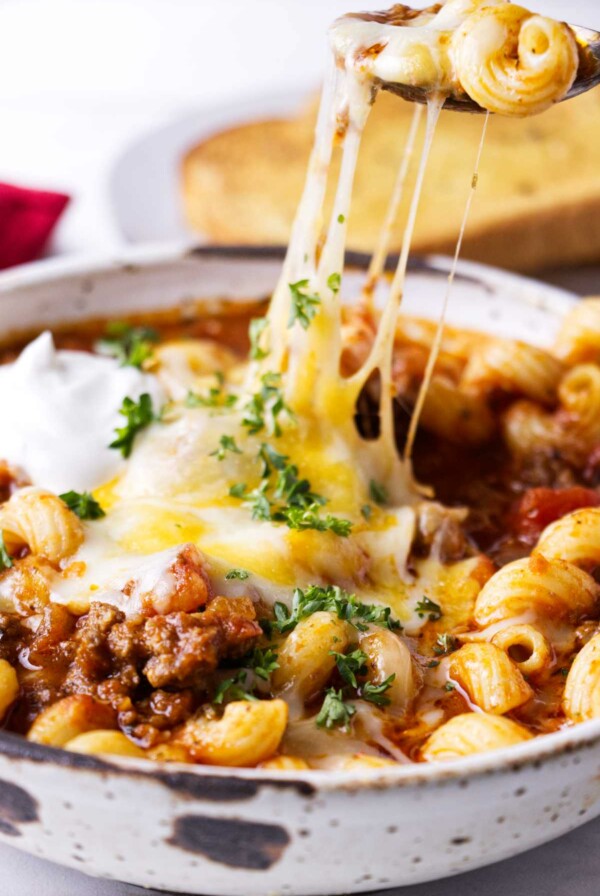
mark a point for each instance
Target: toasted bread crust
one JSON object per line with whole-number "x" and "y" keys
{"x": 537, "y": 204}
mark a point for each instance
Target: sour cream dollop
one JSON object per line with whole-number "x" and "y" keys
{"x": 59, "y": 410}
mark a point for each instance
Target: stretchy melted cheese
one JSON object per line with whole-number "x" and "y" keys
{"x": 174, "y": 489}
{"x": 205, "y": 483}
{"x": 503, "y": 57}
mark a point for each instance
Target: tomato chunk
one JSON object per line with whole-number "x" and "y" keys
{"x": 541, "y": 506}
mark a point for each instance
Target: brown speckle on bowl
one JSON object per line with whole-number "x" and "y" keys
{"x": 17, "y": 807}
{"x": 231, "y": 841}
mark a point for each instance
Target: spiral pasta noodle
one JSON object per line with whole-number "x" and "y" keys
{"x": 553, "y": 588}
{"x": 526, "y": 646}
{"x": 581, "y": 700}
{"x": 470, "y": 733}
{"x": 39, "y": 520}
{"x": 579, "y": 336}
{"x": 492, "y": 681}
{"x": 579, "y": 395}
{"x": 514, "y": 367}
{"x": 574, "y": 537}
{"x": 513, "y": 62}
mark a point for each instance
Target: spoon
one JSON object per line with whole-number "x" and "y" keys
{"x": 588, "y": 76}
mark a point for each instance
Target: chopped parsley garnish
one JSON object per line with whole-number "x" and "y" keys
{"x": 335, "y": 711}
{"x": 350, "y": 665}
{"x": 341, "y": 218}
{"x": 334, "y": 282}
{"x": 130, "y": 345}
{"x": 449, "y": 686}
{"x": 294, "y": 491}
{"x": 304, "y": 305}
{"x": 366, "y": 511}
{"x": 310, "y": 518}
{"x": 6, "y": 561}
{"x": 289, "y": 499}
{"x": 264, "y": 408}
{"x": 139, "y": 415}
{"x": 83, "y": 504}
{"x": 429, "y": 608}
{"x": 271, "y": 459}
{"x": 215, "y": 398}
{"x": 378, "y": 492}
{"x": 234, "y": 688}
{"x": 375, "y": 693}
{"x": 256, "y": 500}
{"x": 226, "y": 443}
{"x": 257, "y": 327}
{"x": 240, "y": 574}
{"x": 332, "y": 599}
{"x": 445, "y": 643}
{"x": 263, "y": 662}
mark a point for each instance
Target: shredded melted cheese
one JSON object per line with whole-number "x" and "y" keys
{"x": 175, "y": 489}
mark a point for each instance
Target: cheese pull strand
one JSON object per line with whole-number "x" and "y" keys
{"x": 437, "y": 342}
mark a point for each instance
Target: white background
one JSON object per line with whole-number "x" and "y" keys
{"x": 79, "y": 79}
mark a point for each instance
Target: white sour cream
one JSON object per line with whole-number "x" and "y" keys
{"x": 59, "y": 413}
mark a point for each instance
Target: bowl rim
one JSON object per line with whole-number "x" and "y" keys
{"x": 532, "y": 753}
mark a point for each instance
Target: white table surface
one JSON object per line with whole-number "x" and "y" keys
{"x": 79, "y": 79}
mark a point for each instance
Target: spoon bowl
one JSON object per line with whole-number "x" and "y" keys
{"x": 588, "y": 76}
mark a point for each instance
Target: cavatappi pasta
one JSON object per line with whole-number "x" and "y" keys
{"x": 481, "y": 633}
{"x": 219, "y": 541}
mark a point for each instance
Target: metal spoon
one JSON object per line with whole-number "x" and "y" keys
{"x": 588, "y": 76}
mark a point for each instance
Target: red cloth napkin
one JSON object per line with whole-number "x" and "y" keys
{"x": 27, "y": 219}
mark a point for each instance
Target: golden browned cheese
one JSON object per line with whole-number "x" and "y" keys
{"x": 524, "y": 217}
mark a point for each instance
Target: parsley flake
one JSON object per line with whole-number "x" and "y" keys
{"x": 263, "y": 662}
{"x": 130, "y": 345}
{"x": 289, "y": 499}
{"x": 429, "y": 608}
{"x": 334, "y": 282}
{"x": 139, "y": 415}
{"x": 304, "y": 305}
{"x": 350, "y": 665}
{"x": 445, "y": 643}
{"x": 378, "y": 492}
{"x": 332, "y": 599}
{"x": 237, "y": 574}
{"x": 256, "y": 499}
{"x": 264, "y": 408}
{"x": 83, "y": 504}
{"x": 215, "y": 398}
{"x": 335, "y": 711}
{"x": 271, "y": 459}
{"x": 309, "y": 518}
{"x": 234, "y": 688}
{"x": 375, "y": 693}
{"x": 257, "y": 327}
{"x": 6, "y": 561}
{"x": 226, "y": 443}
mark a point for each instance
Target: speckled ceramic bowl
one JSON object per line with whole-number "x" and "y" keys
{"x": 243, "y": 831}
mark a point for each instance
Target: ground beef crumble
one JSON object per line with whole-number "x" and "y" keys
{"x": 153, "y": 672}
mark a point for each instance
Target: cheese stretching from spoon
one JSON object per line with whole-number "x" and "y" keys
{"x": 215, "y": 474}
{"x": 505, "y": 58}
